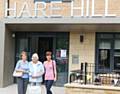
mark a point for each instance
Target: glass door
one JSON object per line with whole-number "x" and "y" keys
{"x": 44, "y": 44}
{"x": 62, "y": 52}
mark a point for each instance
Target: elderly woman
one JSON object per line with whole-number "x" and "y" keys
{"x": 36, "y": 70}
{"x": 23, "y": 67}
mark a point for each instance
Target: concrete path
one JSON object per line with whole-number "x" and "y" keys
{"x": 12, "y": 89}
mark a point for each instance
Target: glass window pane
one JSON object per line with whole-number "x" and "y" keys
{"x": 105, "y": 36}
{"x": 104, "y": 45}
{"x": 117, "y": 59}
{"x": 22, "y": 45}
{"x": 117, "y": 44}
{"x": 104, "y": 59}
{"x": 117, "y": 35}
{"x": 62, "y": 50}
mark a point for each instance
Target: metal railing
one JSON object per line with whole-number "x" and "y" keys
{"x": 87, "y": 74}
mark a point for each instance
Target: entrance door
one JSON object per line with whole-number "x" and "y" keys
{"x": 40, "y": 45}
{"x": 44, "y": 44}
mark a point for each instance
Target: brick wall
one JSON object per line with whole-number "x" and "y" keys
{"x": 85, "y": 50}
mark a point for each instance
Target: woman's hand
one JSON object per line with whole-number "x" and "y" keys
{"x": 34, "y": 77}
{"x": 20, "y": 70}
{"x": 55, "y": 79}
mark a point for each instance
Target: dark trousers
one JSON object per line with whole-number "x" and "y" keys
{"x": 48, "y": 84}
{"x": 22, "y": 85}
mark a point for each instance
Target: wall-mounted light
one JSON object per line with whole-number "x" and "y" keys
{"x": 81, "y": 38}
{"x": 13, "y": 35}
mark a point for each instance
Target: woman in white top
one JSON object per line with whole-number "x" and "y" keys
{"x": 36, "y": 69}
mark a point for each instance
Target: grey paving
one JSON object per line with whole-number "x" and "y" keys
{"x": 12, "y": 89}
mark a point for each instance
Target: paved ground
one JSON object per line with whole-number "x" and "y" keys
{"x": 13, "y": 90}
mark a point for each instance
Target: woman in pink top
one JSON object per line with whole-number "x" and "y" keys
{"x": 50, "y": 71}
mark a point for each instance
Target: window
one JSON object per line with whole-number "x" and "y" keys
{"x": 107, "y": 52}
{"x": 105, "y": 36}
{"x": 104, "y": 59}
{"x": 117, "y": 54}
{"x": 21, "y": 45}
{"x": 104, "y": 55}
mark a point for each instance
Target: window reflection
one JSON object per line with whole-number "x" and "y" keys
{"x": 104, "y": 58}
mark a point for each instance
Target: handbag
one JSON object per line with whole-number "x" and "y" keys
{"x": 34, "y": 89}
{"x": 17, "y": 74}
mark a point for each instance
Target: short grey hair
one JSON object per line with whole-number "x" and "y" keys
{"x": 35, "y": 55}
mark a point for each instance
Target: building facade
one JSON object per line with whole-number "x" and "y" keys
{"x": 75, "y": 30}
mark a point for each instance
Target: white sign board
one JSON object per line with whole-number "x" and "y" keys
{"x": 64, "y": 53}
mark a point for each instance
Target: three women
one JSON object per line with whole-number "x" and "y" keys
{"x": 34, "y": 70}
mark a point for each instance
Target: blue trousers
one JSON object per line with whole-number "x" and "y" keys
{"x": 48, "y": 85}
{"x": 22, "y": 85}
